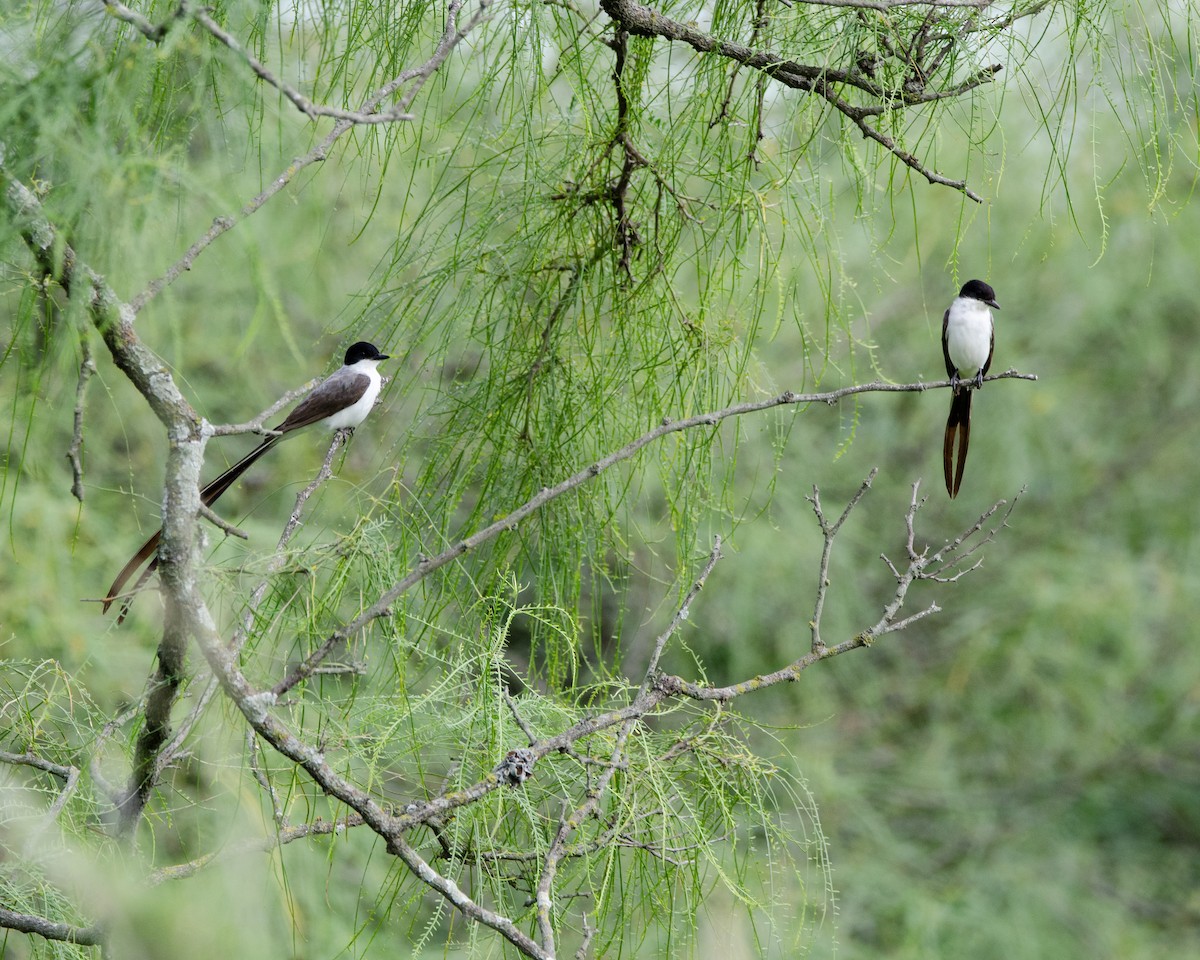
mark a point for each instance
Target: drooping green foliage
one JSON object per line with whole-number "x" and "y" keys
{"x": 583, "y": 230}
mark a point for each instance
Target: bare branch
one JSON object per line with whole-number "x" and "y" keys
{"x": 68, "y": 775}
{"x": 684, "y": 611}
{"x": 92, "y": 936}
{"x": 151, "y": 31}
{"x": 921, "y": 566}
{"x": 209, "y": 514}
{"x": 257, "y": 424}
{"x": 427, "y": 565}
{"x": 87, "y": 369}
{"x": 588, "y": 932}
{"x": 285, "y": 835}
{"x": 298, "y": 100}
{"x": 414, "y": 77}
{"x": 29, "y": 759}
{"x": 260, "y": 778}
{"x": 521, "y": 721}
{"x": 640, "y": 20}
{"x": 289, "y": 530}
{"x": 830, "y": 531}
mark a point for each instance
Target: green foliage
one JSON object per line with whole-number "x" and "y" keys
{"x": 559, "y": 260}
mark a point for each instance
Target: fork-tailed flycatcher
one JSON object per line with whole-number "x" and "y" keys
{"x": 341, "y": 401}
{"x": 968, "y": 337}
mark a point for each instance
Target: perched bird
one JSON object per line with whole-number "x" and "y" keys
{"x": 340, "y": 401}
{"x": 968, "y": 337}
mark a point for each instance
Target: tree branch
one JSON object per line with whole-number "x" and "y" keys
{"x": 921, "y": 565}
{"x": 92, "y": 936}
{"x": 87, "y": 368}
{"x": 558, "y": 850}
{"x": 414, "y": 77}
{"x": 428, "y": 565}
{"x": 829, "y": 531}
{"x": 181, "y": 502}
{"x": 640, "y": 20}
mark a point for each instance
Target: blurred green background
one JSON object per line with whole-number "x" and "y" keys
{"x": 1015, "y": 777}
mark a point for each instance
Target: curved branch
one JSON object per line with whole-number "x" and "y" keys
{"x": 91, "y": 936}
{"x": 642, "y": 21}
{"x": 414, "y": 77}
{"x": 114, "y": 320}
{"x": 428, "y": 565}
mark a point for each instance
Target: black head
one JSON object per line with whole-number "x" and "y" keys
{"x": 364, "y": 351}
{"x": 978, "y": 290}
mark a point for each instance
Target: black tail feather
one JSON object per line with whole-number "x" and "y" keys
{"x": 958, "y": 427}
{"x": 208, "y": 497}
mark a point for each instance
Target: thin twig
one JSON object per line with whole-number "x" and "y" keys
{"x": 414, "y": 77}
{"x": 256, "y": 425}
{"x": 289, "y": 530}
{"x": 823, "y": 81}
{"x": 260, "y": 777}
{"x": 286, "y": 835}
{"x": 681, "y": 614}
{"x": 209, "y": 514}
{"x": 829, "y": 531}
{"x": 29, "y": 759}
{"x": 557, "y": 851}
{"x": 297, "y": 99}
{"x": 427, "y": 565}
{"x": 87, "y": 369}
{"x": 68, "y": 775}
{"x": 154, "y": 32}
{"x": 521, "y": 721}
{"x": 588, "y": 932}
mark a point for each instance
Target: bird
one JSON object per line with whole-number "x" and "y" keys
{"x": 339, "y": 402}
{"x": 968, "y": 339}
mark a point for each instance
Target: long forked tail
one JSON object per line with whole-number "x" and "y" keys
{"x": 208, "y": 496}
{"x": 958, "y": 425}
{"x": 148, "y": 549}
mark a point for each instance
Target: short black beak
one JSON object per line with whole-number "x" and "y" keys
{"x": 993, "y": 304}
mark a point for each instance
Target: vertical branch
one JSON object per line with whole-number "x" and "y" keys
{"x": 557, "y": 850}
{"x": 829, "y": 531}
{"x": 627, "y": 236}
{"x": 75, "y": 452}
{"x": 289, "y": 530}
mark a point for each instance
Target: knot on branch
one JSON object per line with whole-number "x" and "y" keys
{"x": 668, "y": 684}
{"x": 633, "y": 17}
{"x": 516, "y": 767}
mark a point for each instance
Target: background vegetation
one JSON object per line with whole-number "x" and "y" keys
{"x": 1017, "y": 776}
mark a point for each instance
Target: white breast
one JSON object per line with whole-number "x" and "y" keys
{"x": 357, "y": 412}
{"x": 968, "y": 335}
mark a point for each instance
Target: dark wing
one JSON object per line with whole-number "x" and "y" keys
{"x": 991, "y": 350}
{"x": 945, "y": 347}
{"x": 327, "y": 398}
